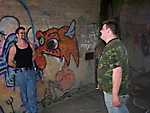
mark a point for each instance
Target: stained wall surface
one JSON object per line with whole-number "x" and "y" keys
{"x": 69, "y": 62}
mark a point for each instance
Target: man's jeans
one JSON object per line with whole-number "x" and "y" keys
{"x": 26, "y": 81}
{"x": 111, "y": 109}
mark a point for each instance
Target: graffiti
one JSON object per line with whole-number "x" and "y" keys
{"x": 10, "y": 102}
{"x": 145, "y": 41}
{"x": 89, "y": 37}
{"x": 23, "y": 3}
{"x": 50, "y": 94}
{"x": 12, "y": 23}
{"x": 9, "y": 23}
{"x": 65, "y": 78}
{"x": 3, "y": 64}
{"x": 90, "y": 43}
{"x": 8, "y": 99}
{"x": 57, "y": 42}
{"x": 86, "y": 46}
{"x": 65, "y": 45}
{"x": 1, "y": 109}
{"x": 60, "y": 43}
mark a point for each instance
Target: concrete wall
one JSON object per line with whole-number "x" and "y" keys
{"x": 135, "y": 21}
{"x": 135, "y": 27}
{"x": 49, "y": 15}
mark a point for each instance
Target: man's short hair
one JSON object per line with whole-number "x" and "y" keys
{"x": 19, "y": 28}
{"x": 113, "y": 25}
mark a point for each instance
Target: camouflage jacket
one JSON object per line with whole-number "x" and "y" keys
{"x": 114, "y": 55}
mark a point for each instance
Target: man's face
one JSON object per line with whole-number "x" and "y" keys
{"x": 21, "y": 34}
{"x": 104, "y": 32}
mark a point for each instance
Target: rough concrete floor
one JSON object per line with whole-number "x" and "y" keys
{"x": 86, "y": 100}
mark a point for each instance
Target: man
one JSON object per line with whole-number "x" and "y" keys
{"x": 20, "y": 57}
{"x": 113, "y": 68}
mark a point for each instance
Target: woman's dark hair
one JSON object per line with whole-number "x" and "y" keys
{"x": 19, "y": 28}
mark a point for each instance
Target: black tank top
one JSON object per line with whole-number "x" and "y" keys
{"x": 23, "y": 57}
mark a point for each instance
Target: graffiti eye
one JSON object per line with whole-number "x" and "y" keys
{"x": 41, "y": 40}
{"x": 52, "y": 44}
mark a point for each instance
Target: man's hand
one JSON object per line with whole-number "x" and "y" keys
{"x": 116, "y": 79}
{"x": 116, "y": 101}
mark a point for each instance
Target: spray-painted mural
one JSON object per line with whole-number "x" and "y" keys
{"x": 57, "y": 42}
{"x": 54, "y": 48}
{"x": 60, "y": 43}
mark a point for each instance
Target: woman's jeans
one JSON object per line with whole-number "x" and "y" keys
{"x": 111, "y": 109}
{"x": 26, "y": 81}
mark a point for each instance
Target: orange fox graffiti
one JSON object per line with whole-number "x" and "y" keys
{"x": 58, "y": 42}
